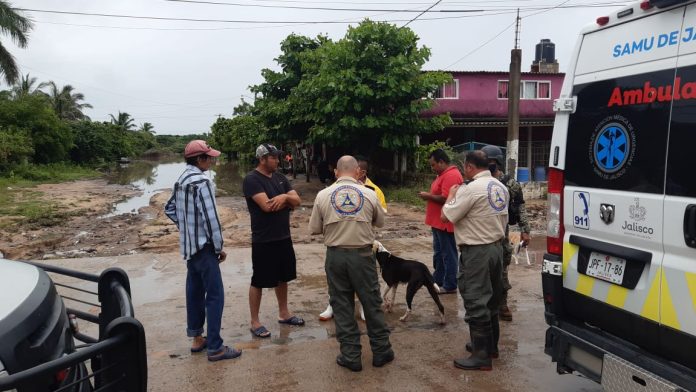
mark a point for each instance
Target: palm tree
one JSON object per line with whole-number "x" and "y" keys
{"x": 123, "y": 120}
{"x": 17, "y": 26}
{"x": 147, "y": 127}
{"x": 65, "y": 103}
{"x": 25, "y": 86}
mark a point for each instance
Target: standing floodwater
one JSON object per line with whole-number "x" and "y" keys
{"x": 152, "y": 177}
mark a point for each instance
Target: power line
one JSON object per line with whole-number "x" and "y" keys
{"x": 550, "y": 9}
{"x": 288, "y": 23}
{"x": 482, "y": 45}
{"x": 429, "y": 9}
{"x": 417, "y": 16}
{"x": 311, "y": 22}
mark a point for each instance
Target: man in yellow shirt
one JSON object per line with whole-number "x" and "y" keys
{"x": 363, "y": 164}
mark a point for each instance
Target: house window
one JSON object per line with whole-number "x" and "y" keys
{"x": 529, "y": 89}
{"x": 448, "y": 90}
{"x": 503, "y": 89}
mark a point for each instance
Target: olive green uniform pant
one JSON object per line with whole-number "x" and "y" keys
{"x": 480, "y": 281}
{"x": 350, "y": 272}
{"x": 507, "y": 258}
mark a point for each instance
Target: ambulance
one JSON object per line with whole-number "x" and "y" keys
{"x": 619, "y": 274}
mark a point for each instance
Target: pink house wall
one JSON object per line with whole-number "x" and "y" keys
{"x": 478, "y": 96}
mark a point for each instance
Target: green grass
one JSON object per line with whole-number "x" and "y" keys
{"x": 17, "y": 201}
{"x": 407, "y": 194}
{"x": 52, "y": 173}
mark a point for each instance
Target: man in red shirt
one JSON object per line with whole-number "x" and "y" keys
{"x": 444, "y": 246}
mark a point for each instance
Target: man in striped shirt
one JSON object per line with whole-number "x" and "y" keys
{"x": 192, "y": 208}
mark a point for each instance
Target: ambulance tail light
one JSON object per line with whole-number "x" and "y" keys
{"x": 645, "y": 5}
{"x": 602, "y": 20}
{"x": 555, "y": 229}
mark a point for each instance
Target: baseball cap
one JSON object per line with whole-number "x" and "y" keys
{"x": 266, "y": 149}
{"x": 199, "y": 147}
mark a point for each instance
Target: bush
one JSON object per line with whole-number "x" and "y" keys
{"x": 423, "y": 154}
{"x": 16, "y": 147}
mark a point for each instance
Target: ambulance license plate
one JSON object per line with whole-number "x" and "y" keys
{"x": 606, "y": 267}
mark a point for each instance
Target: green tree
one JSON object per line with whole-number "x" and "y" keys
{"x": 14, "y": 24}
{"x": 369, "y": 89}
{"x": 238, "y": 135}
{"x": 51, "y": 138}
{"x": 123, "y": 120}
{"x": 272, "y": 105}
{"x": 243, "y": 109}
{"x": 16, "y": 147}
{"x": 66, "y": 103}
{"x": 26, "y": 85}
{"x": 147, "y": 128}
{"x": 100, "y": 142}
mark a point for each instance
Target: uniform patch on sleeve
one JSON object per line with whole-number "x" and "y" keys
{"x": 347, "y": 200}
{"x": 496, "y": 196}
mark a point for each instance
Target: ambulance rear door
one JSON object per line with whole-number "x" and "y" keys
{"x": 614, "y": 176}
{"x": 677, "y": 302}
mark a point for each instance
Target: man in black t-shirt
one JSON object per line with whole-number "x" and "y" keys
{"x": 270, "y": 198}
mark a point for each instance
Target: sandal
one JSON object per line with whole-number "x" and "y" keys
{"x": 201, "y": 347}
{"x": 227, "y": 353}
{"x": 292, "y": 320}
{"x": 261, "y": 332}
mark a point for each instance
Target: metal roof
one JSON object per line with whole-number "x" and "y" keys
{"x": 500, "y": 123}
{"x": 496, "y": 72}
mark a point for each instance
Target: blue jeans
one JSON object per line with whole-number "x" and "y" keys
{"x": 445, "y": 259}
{"x": 204, "y": 295}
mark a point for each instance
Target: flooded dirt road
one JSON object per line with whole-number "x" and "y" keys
{"x": 303, "y": 358}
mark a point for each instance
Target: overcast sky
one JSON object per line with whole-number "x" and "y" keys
{"x": 180, "y": 75}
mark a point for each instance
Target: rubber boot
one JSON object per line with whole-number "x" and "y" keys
{"x": 495, "y": 329}
{"x": 503, "y": 311}
{"x": 481, "y": 339}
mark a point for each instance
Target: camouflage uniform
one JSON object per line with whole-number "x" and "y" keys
{"x": 519, "y": 218}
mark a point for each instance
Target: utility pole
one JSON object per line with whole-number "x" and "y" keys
{"x": 513, "y": 132}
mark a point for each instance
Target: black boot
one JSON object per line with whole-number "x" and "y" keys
{"x": 495, "y": 329}
{"x": 481, "y": 339}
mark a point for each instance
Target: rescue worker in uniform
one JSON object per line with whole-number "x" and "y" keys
{"x": 363, "y": 165}
{"x": 516, "y": 216}
{"x": 345, "y": 213}
{"x": 479, "y": 212}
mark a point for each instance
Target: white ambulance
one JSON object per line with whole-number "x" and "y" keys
{"x": 619, "y": 275}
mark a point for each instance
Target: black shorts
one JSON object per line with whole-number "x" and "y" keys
{"x": 273, "y": 263}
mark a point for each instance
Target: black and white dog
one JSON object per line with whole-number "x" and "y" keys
{"x": 396, "y": 270}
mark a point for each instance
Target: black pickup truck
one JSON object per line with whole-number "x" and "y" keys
{"x": 42, "y": 347}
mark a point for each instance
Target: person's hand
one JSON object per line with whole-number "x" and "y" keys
{"x": 277, "y": 202}
{"x": 453, "y": 189}
{"x": 424, "y": 195}
{"x": 524, "y": 239}
{"x": 222, "y": 256}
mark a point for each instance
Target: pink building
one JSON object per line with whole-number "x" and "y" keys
{"x": 477, "y": 102}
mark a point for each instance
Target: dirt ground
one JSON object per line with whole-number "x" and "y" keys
{"x": 294, "y": 358}
{"x": 90, "y": 231}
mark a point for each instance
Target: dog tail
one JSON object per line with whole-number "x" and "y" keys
{"x": 436, "y": 296}
{"x": 430, "y": 285}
